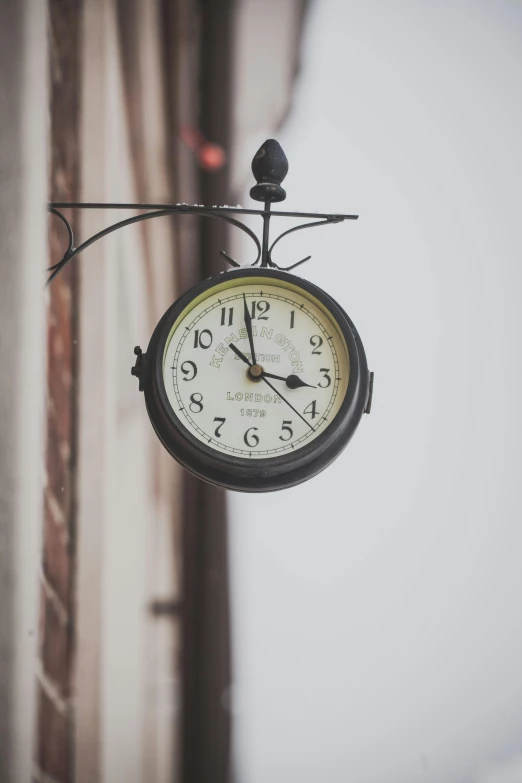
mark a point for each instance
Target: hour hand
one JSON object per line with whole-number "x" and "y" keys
{"x": 292, "y": 381}
{"x": 239, "y": 353}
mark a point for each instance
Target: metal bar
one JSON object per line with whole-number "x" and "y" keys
{"x": 290, "y": 231}
{"x": 330, "y": 216}
{"x": 265, "y": 253}
{"x": 72, "y": 252}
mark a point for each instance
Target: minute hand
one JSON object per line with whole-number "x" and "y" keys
{"x": 248, "y": 324}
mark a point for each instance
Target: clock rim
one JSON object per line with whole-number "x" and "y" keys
{"x": 270, "y": 473}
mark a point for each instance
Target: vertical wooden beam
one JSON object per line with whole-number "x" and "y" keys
{"x": 54, "y": 753}
{"x": 207, "y": 656}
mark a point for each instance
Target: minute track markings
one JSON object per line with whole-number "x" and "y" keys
{"x": 269, "y": 295}
{"x": 239, "y": 451}
{"x": 289, "y": 302}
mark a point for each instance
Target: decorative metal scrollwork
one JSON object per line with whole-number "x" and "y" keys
{"x": 269, "y": 167}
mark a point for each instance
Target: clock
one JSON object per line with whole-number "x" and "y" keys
{"x": 255, "y": 380}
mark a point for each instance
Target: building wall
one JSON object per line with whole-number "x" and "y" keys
{"x": 23, "y": 166}
{"x": 127, "y": 484}
{"x": 55, "y": 652}
{"x": 108, "y": 676}
{"x": 92, "y": 692}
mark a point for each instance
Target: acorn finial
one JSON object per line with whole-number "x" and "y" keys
{"x": 270, "y": 167}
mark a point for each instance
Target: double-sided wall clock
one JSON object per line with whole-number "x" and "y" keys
{"x": 256, "y": 379}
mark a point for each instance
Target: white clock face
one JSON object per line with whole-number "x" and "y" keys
{"x": 240, "y": 409}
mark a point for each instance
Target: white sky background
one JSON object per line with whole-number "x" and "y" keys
{"x": 377, "y": 608}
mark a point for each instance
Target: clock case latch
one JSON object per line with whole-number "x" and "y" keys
{"x": 140, "y": 367}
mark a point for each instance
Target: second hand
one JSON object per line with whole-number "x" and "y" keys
{"x": 244, "y": 358}
{"x": 288, "y": 403}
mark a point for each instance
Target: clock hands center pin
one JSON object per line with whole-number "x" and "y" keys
{"x": 262, "y": 377}
{"x": 256, "y": 372}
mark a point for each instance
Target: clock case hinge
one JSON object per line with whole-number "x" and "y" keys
{"x": 368, "y": 406}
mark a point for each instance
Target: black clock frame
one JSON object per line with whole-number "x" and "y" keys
{"x": 252, "y": 475}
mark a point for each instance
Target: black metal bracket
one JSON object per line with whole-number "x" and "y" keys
{"x": 269, "y": 166}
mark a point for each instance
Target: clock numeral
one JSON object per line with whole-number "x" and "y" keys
{"x": 196, "y": 402}
{"x": 312, "y": 409}
{"x": 326, "y": 377}
{"x": 217, "y": 430}
{"x": 230, "y": 315}
{"x": 316, "y": 342}
{"x": 292, "y": 319}
{"x": 203, "y": 340}
{"x": 261, "y": 307}
{"x": 187, "y": 368}
{"x": 251, "y": 440}
{"x": 286, "y": 428}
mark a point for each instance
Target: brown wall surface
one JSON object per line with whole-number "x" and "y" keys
{"x": 196, "y": 93}
{"x": 54, "y": 725}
